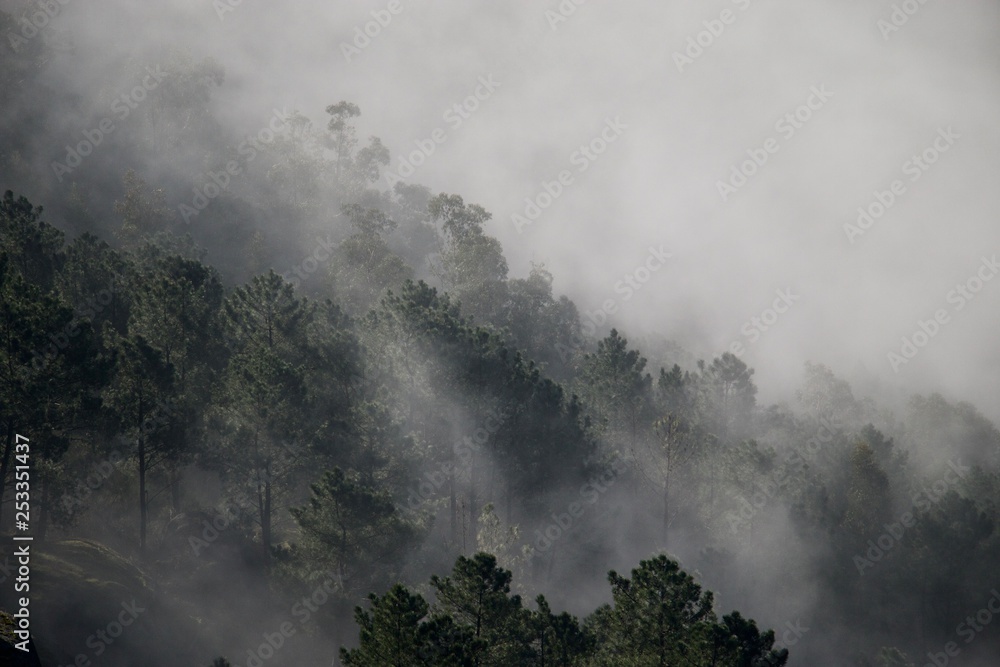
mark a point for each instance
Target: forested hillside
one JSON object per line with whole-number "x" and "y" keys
{"x": 284, "y": 410}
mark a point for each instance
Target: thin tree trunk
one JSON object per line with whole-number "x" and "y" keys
{"x": 143, "y": 506}
{"x": 142, "y": 494}
{"x": 8, "y": 450}
{"x": 341, "y": 557}
{"x": 266, "y": 521}
{"x": 510, "y": 500}
{"x": 43, "y": 513}
{"x": 453, "y": 501}
{"x": 175, "y": 488}
{"x": 260, "y": 510}
{"x": 666, "y": 513}
{"x": 473, "y": 504}
{"x": 510, "y": 480}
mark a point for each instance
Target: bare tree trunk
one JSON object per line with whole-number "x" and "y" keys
{"x": 509, "y": 512}
{"x": 666, "y": 513}
{"x": 265, "y": 522}
{"x": 267, "y": 512}
{"x": 453, "y": 501}
{"x": 43, "y": 513}
{"x": 473, "y": 504}
{"x": 174, "y": 477}
{"x": 143, "y": 505}
{"x": 142, "y": 494}
{"x": 260, "y": 508}
{"x": 8, "y": 451}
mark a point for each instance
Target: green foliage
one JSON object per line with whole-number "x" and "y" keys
{"x": 727, "y": 397}
{"x": 739, "y": 643}
{"x": 556, "y": 640}
{"x": 355, "y": 531}
{"x": 364, "y": 266}
{"x": 397, "y": 631}
{"x": 141, "y": 383}
{"x": 477, "y": 595}
{"x": 143, "y": 215}
{"x": 473, "y": 267}
{"x": 823, "y": 393}
{"x": 98, "y": 281}
{"x": 868, "y": 493}
{"x": 616, "y": 388}
{"x": 423, "y": 364}
{"x": 890, "y": 656}
{"x": 546, "y": 328}
{"x": 391, "y": 631}
{"x": 353, "y": 169}
{"x": 659, "y": 617}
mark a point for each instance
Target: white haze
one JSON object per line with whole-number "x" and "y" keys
{"x": 657, "y": 183}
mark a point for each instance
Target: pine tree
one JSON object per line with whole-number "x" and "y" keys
{"x": 354, "y": 531}
{"x": 477, "y": 596}
{"x": 397, "y": 632}
{"x": 139, "y": 389}
{"x": 615, "y": 387}
{"x": 473, "y": 267}
{"x": 260, "y": 411}
{"x": 658, "y": 617}
{"x": 364, "y": 266}
{"x": 555, "y": 640}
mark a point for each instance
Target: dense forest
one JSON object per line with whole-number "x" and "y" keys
{"x": 286, "y": 410}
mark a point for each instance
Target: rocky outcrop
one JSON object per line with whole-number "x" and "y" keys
{"x": 10, "y": 656}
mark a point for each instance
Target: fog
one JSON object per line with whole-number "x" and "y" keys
{"x": 560, "y": 79}
{"x": 672, "y": 122}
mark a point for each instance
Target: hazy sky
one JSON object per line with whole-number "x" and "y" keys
{"x": 682, "y": 127}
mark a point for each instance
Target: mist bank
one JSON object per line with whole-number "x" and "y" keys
{"x": 620, "y": 338}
